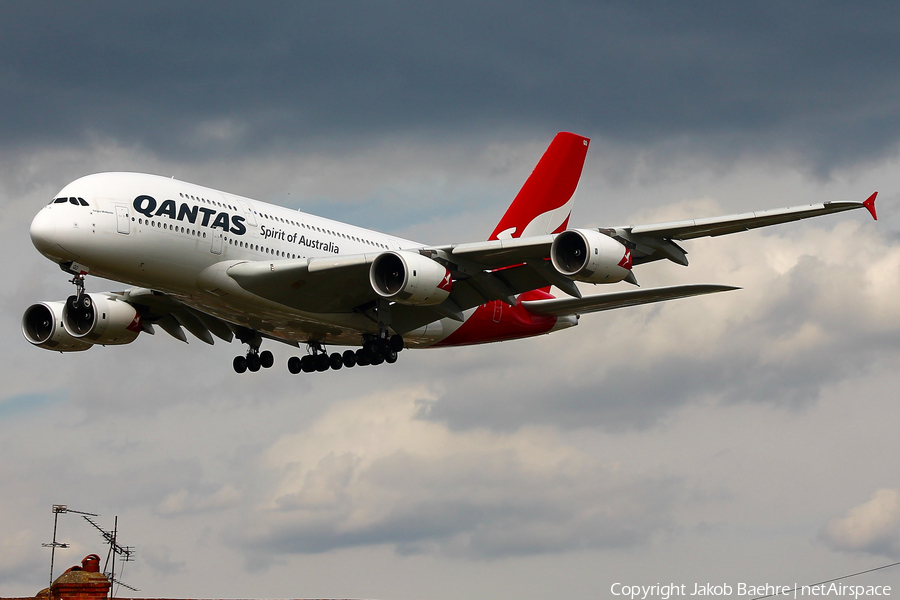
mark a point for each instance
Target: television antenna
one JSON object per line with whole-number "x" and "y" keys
{"x": 125, "y": 554}
{"x": 60, "y": 509}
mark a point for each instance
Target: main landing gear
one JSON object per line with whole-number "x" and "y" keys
{"x": 254, "y": 359}
{"x": 375, "y": 350}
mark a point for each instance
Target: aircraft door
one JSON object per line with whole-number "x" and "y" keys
{"x": 248, "y": 213}
{"x": 498, "y": 310}
{"x": 123, "y": 221}
{"x": 217, "y": 242}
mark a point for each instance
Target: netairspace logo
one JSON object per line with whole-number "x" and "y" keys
{"x": 674, "y": 590}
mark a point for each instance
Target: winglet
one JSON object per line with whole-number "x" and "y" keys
{"x": 870, "y": 205}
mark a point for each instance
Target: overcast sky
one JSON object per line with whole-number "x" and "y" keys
{"x": 741, "y": 437}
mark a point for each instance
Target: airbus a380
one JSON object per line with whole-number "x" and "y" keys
{"x": 222, "y": 265}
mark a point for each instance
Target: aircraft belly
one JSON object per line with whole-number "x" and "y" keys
{"x": 283, "y": 322}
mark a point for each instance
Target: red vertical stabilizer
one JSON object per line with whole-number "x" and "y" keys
{"x": 544, "y": 203}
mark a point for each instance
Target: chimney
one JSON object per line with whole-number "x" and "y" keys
{"x": 81, "y": 583}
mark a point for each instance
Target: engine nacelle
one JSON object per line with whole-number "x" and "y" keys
{"x": 588, "y": 255}
{"x": 42, "y": 325}
{"x": 410, "y": 278}
{"x": 101, "y": 320}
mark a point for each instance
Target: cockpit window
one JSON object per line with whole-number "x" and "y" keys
{"x": 70, "y": 200}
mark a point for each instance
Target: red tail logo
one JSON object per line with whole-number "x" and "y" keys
{"x": 544, "y": 203}
{"x": 626, "y": 262}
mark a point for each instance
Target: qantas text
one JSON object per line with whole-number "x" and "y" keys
{"x": 147, "y": 206}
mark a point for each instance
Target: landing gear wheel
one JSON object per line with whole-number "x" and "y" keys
{"x": 396, "y": 342}
{"x": 349, "y": 358}
{"x": 266, "y": 360}
{"x": 253, "y": 362}
{"x": 391, "y": 356}
{"x": 377, "y": 359}
{"x": 322, "y": 362}
{"x": 363, "y": 357}
{"x": 294, "y": 365}
{"x": 240, "y": 364}
{"x": 308, "y": 363}
{"x": 336, "y": 361}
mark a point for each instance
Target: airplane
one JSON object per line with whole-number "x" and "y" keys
{"x": 218, "y": 264}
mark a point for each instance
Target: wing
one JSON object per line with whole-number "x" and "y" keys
{"x": 485, "y": 271}
{"x": 578, "y": 306}
{"x": 341, "y": 284}
{"x": 655, "y": 242}
{"x": 174, "y": 316}
{"x": 337, "y": 284}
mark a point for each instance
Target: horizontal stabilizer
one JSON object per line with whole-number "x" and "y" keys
{"x": 578, "y": 306}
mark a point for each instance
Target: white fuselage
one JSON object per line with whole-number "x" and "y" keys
{"x": 164, "y": 234}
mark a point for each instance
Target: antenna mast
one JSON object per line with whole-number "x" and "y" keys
{"x": 59, "y": 509}
{"x": 126, "y": 554}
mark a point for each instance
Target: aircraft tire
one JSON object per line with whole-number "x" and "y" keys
{"x": 336, "y": 361}
{"x": 253, "y": 364}
{"x": 322, "y": 362}
{"x": 308, "y": 363}
{"x": 294, "y": 365}
{"x": 349, "y": 358}
{"x": 391, "y": 356}
{"x": 396, "y": 342}
{"x": 266, "y": 360}
{"x": 377, "y": 359}
{"x": 363, "y": 357}
{"x": 240, "y": 364}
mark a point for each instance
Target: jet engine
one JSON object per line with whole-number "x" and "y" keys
{"x": 410, "y": 278}
{"x": 42, "y": 325}
{"x": 588, "y": 255}
{"x": 100, "y": 319}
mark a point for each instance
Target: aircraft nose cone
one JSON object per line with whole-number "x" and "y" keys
{"x": 45, "y": 237}
{"x": 43, "y": 229}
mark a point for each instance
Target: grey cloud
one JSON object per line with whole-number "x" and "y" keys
{"x": 205, "y": 79}
{"x": 159, "y": 558}
{"x": 369, "y": 473}
{"x": 451, "y": 506}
